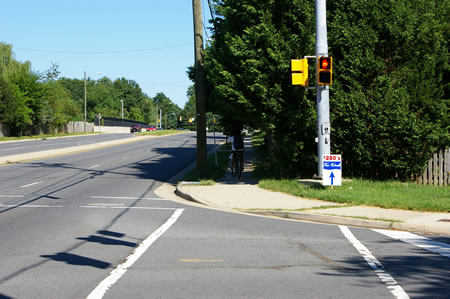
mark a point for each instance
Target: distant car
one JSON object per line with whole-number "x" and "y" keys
{"x": 135, "y": 128}
{"x": 150, "y": 128}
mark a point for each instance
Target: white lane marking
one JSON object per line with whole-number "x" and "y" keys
{"x": 126, "y": 157}
{"x": 419, "y": 241}
{"x": 121, "y": 269}
{"x": 125, "y": 197}
{"x": 106, "y": 204}
{"x": 35, "y": 183}
{"x": 95, "y": 166}
{"x": 131, "y": 208}
{"x": 84, "y": 207}
{"x": 12, "y": 196}
{"x": 375, "y": 264}
{"x": 29, "y": 206}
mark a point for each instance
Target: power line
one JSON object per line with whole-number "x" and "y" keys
{"x": 212, "y": 16}
{"x": 104, "y": 52}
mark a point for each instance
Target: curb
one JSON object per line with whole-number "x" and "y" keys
{"x": 366, "y": 223}
{"x": 292, "y": 215}
{"x": 185, "y": 195}
{"x": 327, "y": 219}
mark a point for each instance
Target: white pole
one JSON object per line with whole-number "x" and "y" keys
{"x": 85, "y": 101}
{"x": 121, "y": 101}
{"x": 323, "y": 91}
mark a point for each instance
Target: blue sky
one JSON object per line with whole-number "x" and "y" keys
{"x": 148, "y": 41}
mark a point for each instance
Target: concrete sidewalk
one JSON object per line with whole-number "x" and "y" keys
{"x": 244, "y": 195}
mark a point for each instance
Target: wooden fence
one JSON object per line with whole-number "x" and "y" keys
{"x": 438, "y": 170}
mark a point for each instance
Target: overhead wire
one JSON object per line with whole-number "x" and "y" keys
{"x": 212, "y": 16}
{"x": 208, "y": 39}
{"x": 104, "y": 52}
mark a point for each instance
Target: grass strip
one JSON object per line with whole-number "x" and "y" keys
{"x": 161, "y": 132}
{"x": 45, "y": 136}
{"x": 389, "y": 195}
{"x": 214, "y": 172}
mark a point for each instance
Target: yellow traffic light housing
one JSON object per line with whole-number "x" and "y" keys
{"x": 299, "y": 68}
{"x": 325, "y": 71}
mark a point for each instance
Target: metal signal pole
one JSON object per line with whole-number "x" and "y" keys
{"x": 199, "y": 87}
{"x": 323, "y": 91}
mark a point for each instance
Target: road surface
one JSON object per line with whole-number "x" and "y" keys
{"x": 89, "y": 225}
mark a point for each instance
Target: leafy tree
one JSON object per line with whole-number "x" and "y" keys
{"x": 52, "y": 73}
{"x": 247, "y": 69}
{"x": 31, "y": 102}
{"x": 61, "y": 108}
{"x": 389, "y": 100}
{"x": 170, "y": 111}
{"x": 388, "y": 105}
{"x": 189, "y": 110}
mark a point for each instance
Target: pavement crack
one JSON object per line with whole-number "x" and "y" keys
{"x": 321, "y": 257}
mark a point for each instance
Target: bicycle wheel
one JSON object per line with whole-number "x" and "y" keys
{"x": 237, "y": 165}
{"x": 233, "y": 165}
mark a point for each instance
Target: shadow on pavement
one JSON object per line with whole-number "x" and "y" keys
{"x": 73, "y": 259}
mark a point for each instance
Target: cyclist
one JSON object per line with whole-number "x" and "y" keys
{"x": 237, "y": 148}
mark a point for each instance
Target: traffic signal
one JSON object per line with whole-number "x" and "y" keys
{"x": 299, "y": 68}
{"x": 325, "y": 71}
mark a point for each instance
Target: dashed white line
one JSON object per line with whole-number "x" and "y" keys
{"x": 125, "y": 208}
{"x": 29, "y": 206}
{"x": 419, "y": 241}
{"x": 12, "y": 196}
{"x": 35, "y": 183}
{"x": 117, "y": 273}
{"x": 127, "y": 197}
{"x": 106, "y": 204}
{"x": 94, "y": 166}
{"x": 375, "y": 264}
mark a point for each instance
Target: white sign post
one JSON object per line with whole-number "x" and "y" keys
{"x": 332, "y": 170}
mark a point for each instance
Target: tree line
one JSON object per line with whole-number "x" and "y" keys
{"x": 389, "y": 100}
{"x": 33, "y": 102}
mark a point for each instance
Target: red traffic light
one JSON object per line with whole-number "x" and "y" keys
{"x": 325, "y": 71}
{"x": 325, "y": 63}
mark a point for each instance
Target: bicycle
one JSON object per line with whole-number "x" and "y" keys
{"x": 237, "y": 165}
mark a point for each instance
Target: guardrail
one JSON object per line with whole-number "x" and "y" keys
{"x": 438, "y": 170}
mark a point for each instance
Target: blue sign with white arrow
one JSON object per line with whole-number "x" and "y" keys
{"x": 332, "y": 169}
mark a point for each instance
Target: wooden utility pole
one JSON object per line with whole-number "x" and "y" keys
{"x": 199, "y": 87}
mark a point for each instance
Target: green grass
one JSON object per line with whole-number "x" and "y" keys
{"x": 161, "y": 132}
{"x": 45, "y": 136}
{"x": 391, "y": 195}
{"x": 214, "y": 172}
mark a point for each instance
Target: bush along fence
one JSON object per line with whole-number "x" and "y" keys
{"x": 438, "y": 170}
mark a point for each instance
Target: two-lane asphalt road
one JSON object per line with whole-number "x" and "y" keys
{"x": 90, "y": 225}
{"x": 35, "y": 145}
